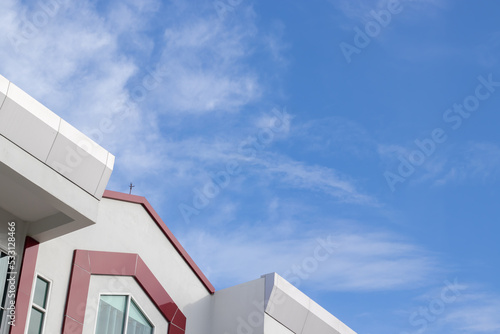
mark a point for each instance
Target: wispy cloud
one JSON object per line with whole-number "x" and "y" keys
{"x": 478, "y": 313}
{"x": 475, "y": 161}
{"x": 456, "y": 164}
{"x": 361, "y": 261}
{"x": 297, "y": 174}
{"x": 337, "y": 136}
{"x": 455, "y": 307}
{"x": 359, "y": 10}
{"x": 487, "y": 52}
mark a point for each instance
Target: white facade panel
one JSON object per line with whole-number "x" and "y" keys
{"x": 271, "y": 326}
{"x": 314, "y": 325}
{"x": 28, "y": 123}
{"x": 239, "y": 309}
{"x": 106, "y": 175}
{"x": 4, "y": 86}
{"x": 287, "y": 310}
{"x": 78, "y": 158}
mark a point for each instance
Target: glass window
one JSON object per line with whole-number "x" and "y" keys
{"x": 38, "y": 306}
{"x": 40, "y": 296}
{"x": 113, "y": 310}
{"x": 36, "y": 322}
{"x": 111, "y": 314}
{"x": 4, "y": 268}
{"x": 137, "y": 322}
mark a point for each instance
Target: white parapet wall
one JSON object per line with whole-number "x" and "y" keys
{"x": 271, "y": 305}
{"x": 296, "y": 311}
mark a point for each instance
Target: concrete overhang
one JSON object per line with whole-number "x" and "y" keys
{"x": 51, "y": 175}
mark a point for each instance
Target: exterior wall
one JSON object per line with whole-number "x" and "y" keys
{"x": 127, "y": 228}
{"x": 20, "y": 237}
{"x": 239, "y": 309}
{"x": 21, "y": 226}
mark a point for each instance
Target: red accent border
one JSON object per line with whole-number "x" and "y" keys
{"x": 87, "y": 263}
{"x": 25, "y": 284}
{"x": 166, "y": 231}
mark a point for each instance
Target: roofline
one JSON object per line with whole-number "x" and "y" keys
{"x": 166, "y": 231}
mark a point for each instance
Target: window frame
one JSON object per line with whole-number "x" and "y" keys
{"x": 37, "y": 307}
{"x": 3, "y": 321}
{"x": 125, "y": 319}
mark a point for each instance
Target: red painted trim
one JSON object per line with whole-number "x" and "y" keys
{"x": 87, "y": 263}
{"x": 166, "y": 231}
{"x": 25, "y": 284}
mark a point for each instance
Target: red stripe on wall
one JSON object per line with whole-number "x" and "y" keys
{"x": 87, "y": 263}
{"x": 25, "y": 284}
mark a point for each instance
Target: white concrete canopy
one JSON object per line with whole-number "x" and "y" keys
{"x": 52, "y": 176}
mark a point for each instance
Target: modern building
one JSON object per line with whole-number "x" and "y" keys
{"x": 76, "y": 258}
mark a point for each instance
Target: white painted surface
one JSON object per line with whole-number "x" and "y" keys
{"x": 239, "y": 309}
{"x": 22, "y": 202}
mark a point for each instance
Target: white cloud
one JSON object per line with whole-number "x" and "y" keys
{"x": 204, "y": 58}
{"x": 86, "y": 64}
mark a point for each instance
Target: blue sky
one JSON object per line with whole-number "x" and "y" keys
{"x": 368, "y": 127}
